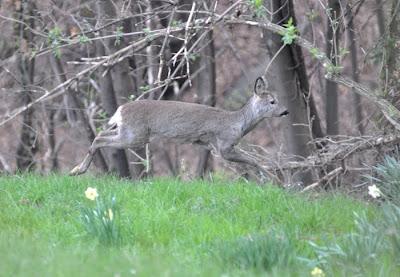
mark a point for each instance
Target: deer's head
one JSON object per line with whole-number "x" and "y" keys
{"x": 264, "y": 102}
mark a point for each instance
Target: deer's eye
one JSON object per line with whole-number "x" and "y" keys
{"x": 272, "y": 102}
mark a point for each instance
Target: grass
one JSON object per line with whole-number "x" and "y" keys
{"x": 168, "y": 227}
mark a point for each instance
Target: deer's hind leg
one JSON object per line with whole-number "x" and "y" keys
{"x": 102, "y": 138}
{"x": 115, "y": 138}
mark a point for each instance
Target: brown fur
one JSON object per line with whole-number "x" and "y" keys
{"x": 137, "y": 123}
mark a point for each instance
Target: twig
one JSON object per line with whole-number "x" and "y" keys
{"x": 327, "y": 177}
{"x": 392, "y": 113}
{"x": 60, "y": 89}
{"x": 185, "y": 43}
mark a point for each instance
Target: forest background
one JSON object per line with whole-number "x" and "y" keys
{"x": 67, "y": 65}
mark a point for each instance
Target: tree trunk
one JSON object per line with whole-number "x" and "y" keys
{"x": 380, "y": 16}
{"x": 354, "y": 71}
{"x": 298, "y": 57}
{"x": 53, "y": 157}
{"x": 287, "y": 69}
{"x": 28, "y": 141}
{"x": 74, "y": 104}
{"x": 393, "y": 55}
{"x": 332, "y": 48}
{"x": 119, "y": 161}
{"x": 206, "y": 92}
{"x": 124, "y": 84}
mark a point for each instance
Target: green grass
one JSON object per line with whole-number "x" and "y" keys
{"x": 168, "y": 227}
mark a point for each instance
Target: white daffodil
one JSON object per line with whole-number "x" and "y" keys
{"x": 374, "y": 191}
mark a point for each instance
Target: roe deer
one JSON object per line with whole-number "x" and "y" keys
{"x": 136, "y": 123}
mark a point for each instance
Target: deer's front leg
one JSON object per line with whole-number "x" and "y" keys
{"x": 229, "y": 153}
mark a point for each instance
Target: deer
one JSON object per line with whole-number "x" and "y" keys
{"x": 136, "y": 123}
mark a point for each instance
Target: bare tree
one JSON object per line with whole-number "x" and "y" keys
{"x": 392, "y": 62}
{"x": 105, "y": 11}
{"x": 28, "y": 141}
{"x": 53, "y": 147}
{"x": 354, "y": 69}
{"x": 286, "y": 66}
{"x": 303, "y": 83}
{"x": 380, "y": 16}
{"x": 73, "y": 103}
{"x": 125, "y": 85}
{"x": 332, "y": 50}
{"x": 206, "y": 92}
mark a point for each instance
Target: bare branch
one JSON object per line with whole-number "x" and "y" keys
{"x": 390, "y": 111}
{"x": 327, "y": 177}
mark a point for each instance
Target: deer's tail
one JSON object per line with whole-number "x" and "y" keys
{"x": 116, "y": 119}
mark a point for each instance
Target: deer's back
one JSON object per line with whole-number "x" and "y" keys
{"x": 178, "y": 120}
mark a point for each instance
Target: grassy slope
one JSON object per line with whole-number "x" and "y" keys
{"x": 169, "y": 227}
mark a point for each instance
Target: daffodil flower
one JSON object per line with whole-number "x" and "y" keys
{"x": 91, "y": 193}
{"x": 317, "y": 272}
{"x": 374, "y": 191}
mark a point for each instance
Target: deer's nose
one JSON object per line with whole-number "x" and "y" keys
{"x": 284, "y": 113}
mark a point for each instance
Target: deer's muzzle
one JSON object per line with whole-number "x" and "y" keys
{"x": 284, "y": 113}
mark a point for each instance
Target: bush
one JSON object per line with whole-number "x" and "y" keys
{"x": 358, "y": 248}
{"x": 262, "y": 252}
{"x": 354, "y": 253}
{"x": 373, "y": 243}
{"x": 391, "y": 227}
{"x": 388, "y": 179}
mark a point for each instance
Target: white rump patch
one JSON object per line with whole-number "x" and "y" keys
{"x": 116, "y": 118}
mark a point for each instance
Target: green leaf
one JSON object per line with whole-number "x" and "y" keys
{"x": 83, "y": 39}
{"x": 290, "y": 32}
{"x": 54, "y": 35}
{"x": 54, "y": 38}
{"x": 144, "y": 88}
{"x": 118, "y": 35}
{"x": 315, "y": 53}
{"x": 257, "y": 3}
{"x": 258, "y": 7}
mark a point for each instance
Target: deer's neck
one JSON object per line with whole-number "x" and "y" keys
{"x": 248, "y": 116}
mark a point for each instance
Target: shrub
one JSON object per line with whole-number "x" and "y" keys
{"x": 354, "y": 252}
{"x": 262, "y": 252}
{"x": 391, "y": 227}
{"x": 372, "y": 242}
{"x": 388, "y": 179}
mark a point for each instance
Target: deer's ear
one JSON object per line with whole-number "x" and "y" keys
{"x": 260, "y": 86}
